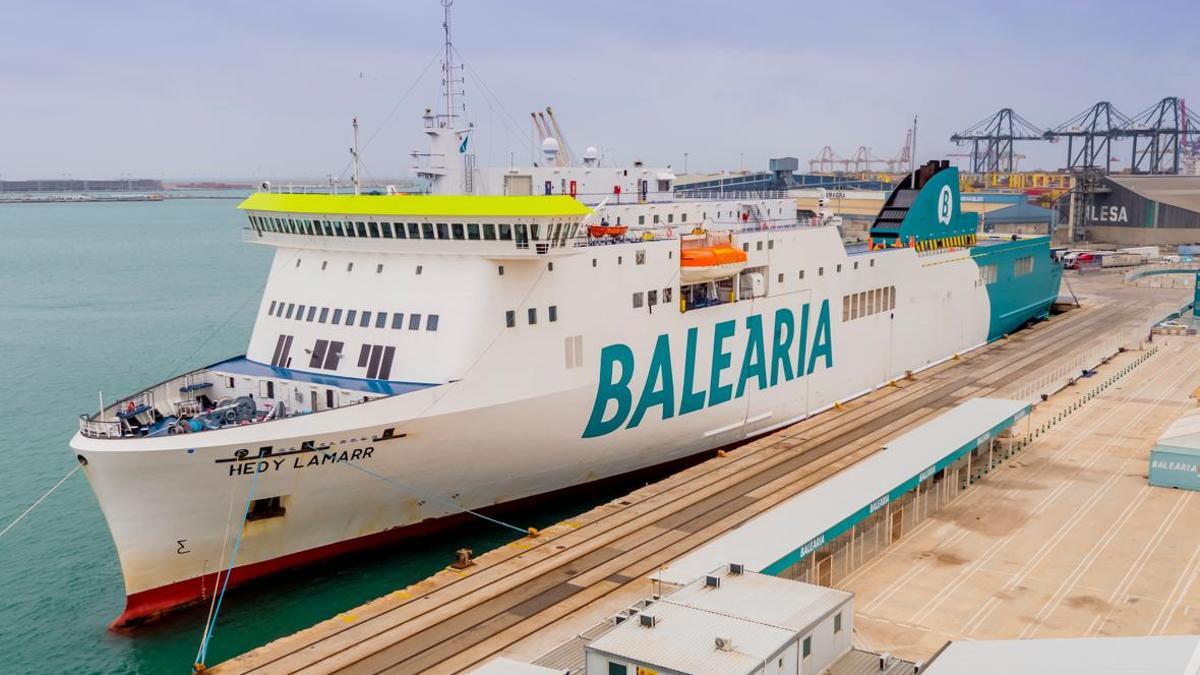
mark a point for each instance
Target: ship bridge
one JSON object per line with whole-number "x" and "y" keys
{"x": 493, "y": 226}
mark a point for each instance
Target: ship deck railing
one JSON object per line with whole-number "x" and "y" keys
{"x": 186, "y": 397}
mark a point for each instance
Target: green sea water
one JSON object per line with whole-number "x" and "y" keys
{"x": 113, "y": 297}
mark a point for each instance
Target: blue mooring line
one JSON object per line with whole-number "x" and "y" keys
{"x": 202, "y": 654}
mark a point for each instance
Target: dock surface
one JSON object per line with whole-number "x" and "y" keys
{"x": 527, "y": 597}
{"x": 1068, "y": 541}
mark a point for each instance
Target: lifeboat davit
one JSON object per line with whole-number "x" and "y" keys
{"x": 710, "y": 263}
{"x": 598, "y": 231}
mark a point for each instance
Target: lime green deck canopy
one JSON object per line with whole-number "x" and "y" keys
{"x": 416, "y": 205}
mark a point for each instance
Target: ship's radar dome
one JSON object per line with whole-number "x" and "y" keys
{"x": 550, "y": 149}
{"x": 591, "y": 156}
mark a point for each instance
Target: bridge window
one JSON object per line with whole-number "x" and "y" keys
{"x": 532, "y": 315}
{"x": 337, "y": 317}
{"x": 443, "y": 232}
{"x": 414, "y": 321}
{"x": 366, "y": 319}
{"x": 414, "y": 231}
{"x": 362, "y": 229}
{"x": 489, "y": 232}
{"x": 299, "y": 312}
{"x": 272, "y": 310}
{"x": 351, "y": 315}
{"x": 431, "y": 322}
{"x": 398, "y": 320}
{"x": 324, "y": 315}
{"x": 400, "y": 234}
{"x": 505, "y": 232}
{"x": 427, "y": 231}
{"x": 373, "y": 228}
{"x": 553, "y": 312}
{"x": 312, "y": 313}
{"x": 457, "y": 230}
{"x": 473, "y": 231}
{"x": 381, "y": 319}
{"x": 386, "y": 230}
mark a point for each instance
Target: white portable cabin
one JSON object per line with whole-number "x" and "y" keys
{"x": 731, "y": 622}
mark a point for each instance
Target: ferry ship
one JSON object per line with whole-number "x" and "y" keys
{"x": 517, "y": 332}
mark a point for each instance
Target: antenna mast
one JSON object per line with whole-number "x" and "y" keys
{"x": 448, "y": 80}
{"x": 354, "y": 154}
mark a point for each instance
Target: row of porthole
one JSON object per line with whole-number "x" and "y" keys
{"x": 531, "y": 316}
{"x": 364, "y": 318}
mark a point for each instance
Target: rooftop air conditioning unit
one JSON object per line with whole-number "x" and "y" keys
{"x": 737, "y": 568}
{"x": 647, "y": 620}
{"x": 724, "y": 644}
{"x": 712, "y": 581}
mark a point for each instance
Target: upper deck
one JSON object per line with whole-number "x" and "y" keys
{"x": 492, "y": 226}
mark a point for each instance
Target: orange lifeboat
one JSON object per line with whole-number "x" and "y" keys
{"x": 710, "y": 263}
{"x": 599, "y": 231}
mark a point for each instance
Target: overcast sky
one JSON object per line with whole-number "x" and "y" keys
{"x": 266, "y": 89}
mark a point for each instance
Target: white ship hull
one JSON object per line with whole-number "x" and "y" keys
{"x": 514, "y": 426}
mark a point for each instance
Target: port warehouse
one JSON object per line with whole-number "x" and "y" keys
{"x": 1175, "y": 458}
{"x": 824, "y": 533}
{"x": 1145, "y": 210}
{"x": 76, "y": 185}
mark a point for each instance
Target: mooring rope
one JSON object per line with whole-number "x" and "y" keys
{"x": 444, "y": 502}
{"x": 210, "y": 625}
{"x": 39, "y": 501}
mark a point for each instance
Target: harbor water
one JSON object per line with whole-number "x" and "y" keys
{"x": 112, "y": 297}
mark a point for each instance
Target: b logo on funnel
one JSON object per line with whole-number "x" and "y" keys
{"x": 945, "y": 206}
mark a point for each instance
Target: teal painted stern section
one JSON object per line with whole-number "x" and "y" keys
{"x": 1023, "y": 281}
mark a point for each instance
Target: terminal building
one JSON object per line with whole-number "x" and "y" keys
{"x": 823, "y": 534}
{"x": 1145, "y": 210}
